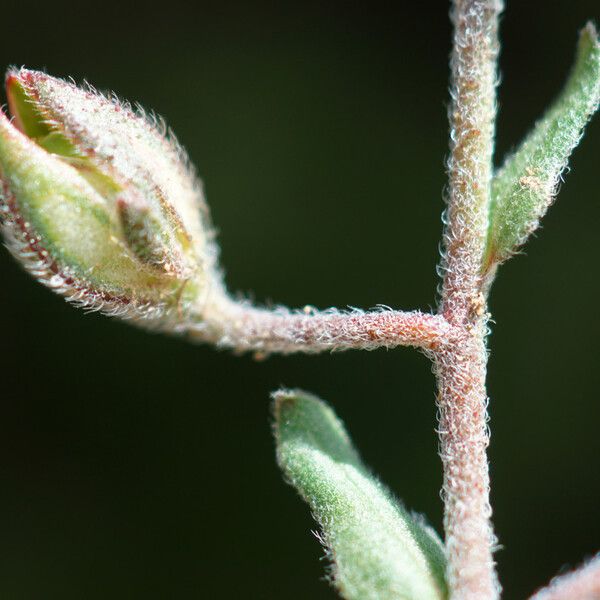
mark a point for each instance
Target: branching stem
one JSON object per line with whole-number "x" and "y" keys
{"x": 244, "y": 327}
{"x": 461, "y": 365}
{"x": 150, "y": 257}
{"x": 455, "y": 337}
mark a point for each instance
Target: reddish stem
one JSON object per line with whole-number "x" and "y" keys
{"x": 461, "y": 364}
{"x": 582, "y": 584}
{"x": 231, "y": 324}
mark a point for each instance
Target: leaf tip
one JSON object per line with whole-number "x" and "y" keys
{"x": 588, "y": 47}
{"x": 589, "y": 34}
{"x": 284, "y": 401}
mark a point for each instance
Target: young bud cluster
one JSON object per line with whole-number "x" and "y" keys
{"x": 99, "y": 204}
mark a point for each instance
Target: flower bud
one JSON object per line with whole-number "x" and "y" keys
{"x": 98, "y": 204}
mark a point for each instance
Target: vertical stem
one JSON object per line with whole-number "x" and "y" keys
{"x": 472, "y": 119}
{"x": 464, "y": 438}
{"x": 461, "y": 365}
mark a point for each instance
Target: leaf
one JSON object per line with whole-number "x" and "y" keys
{"x": 526, "y": 185}
{"x": 379, "y": 550}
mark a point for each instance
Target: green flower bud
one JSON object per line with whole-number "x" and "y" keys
{"x": 100, "y": 205}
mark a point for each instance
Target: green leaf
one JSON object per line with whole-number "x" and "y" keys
{"x": 526, "y": 185}
{"x": 379, "y": 550}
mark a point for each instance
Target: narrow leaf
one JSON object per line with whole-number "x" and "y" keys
{"x": 379, "y": 550}
{"x": 526, "y": 185}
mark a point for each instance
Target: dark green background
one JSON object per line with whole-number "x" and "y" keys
{"x": 135, "y": 466}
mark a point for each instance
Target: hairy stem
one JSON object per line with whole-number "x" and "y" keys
{"x": 461, "y": 364}
{"x": 243, "y": 327}
{"x": 583, "y": 583}
{"x": 455, "y": 337}
{"x": 472, "y": 119}
{"x": 461, "y": 369}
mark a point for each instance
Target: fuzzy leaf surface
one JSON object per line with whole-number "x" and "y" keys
{"x": 527, "y": 183}
{"x": 379, "y": 550}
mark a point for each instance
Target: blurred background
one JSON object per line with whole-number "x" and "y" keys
{"x": 136, "y": 466}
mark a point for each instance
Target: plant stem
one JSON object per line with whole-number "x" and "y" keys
{"x": 472, "y": 117}
{"x": 243, "y": 327}
{"x": 455, "y": 337}
{"x": 461, "y": 364}
{"x": 582, "y": 583}
{"x": 463, "y": 435}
